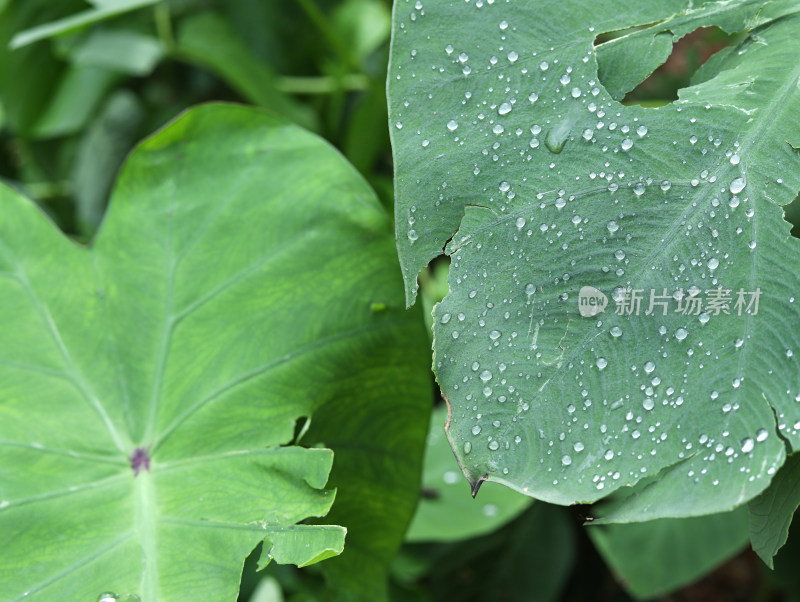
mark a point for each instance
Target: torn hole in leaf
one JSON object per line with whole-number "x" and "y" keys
{"x": 644, "y": 67}
{"x": 301, "y": 427}
{"x": 793, "y": 216}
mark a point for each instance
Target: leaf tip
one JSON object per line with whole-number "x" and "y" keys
{"x": 476, "y": 485}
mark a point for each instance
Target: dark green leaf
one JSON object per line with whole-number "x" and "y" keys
{"x": 771, "y": 512}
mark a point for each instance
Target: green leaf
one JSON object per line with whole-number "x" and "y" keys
{"x": 530, "y": 558}
{"x": 654, "y": 558}
{"x": 624, "y": 62}
{"x": 209, "y": 41}
{"x": 100, "y": 153}
{"x": 124, "y": 51}
{"x": 207, "y": 317}
{"x": 101, "y": 12}
{"x": 365, "y": 24}
{"x": 75, "y": 100}
{"x": 627, "y": 60}
{"x": 25, "y": 97}
{"x": 376, "y": 426}
{"x": 446, "y": 512}
{"x": 507, "y": 145}
{"x": 771, "y": 512}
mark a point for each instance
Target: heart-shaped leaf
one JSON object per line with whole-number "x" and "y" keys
{"x": 568, "y": 208}
{"x": 149, "y": 384}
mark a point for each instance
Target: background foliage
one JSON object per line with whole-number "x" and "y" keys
{"x": 76, "y": 97}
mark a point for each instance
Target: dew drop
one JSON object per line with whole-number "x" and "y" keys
{"x": 566, "y": 460}
{"x": 737, "y": 185}
{"x": 452, "y": 125}
{"x": 680, "y": 334}
{"x": 601, "y": 363}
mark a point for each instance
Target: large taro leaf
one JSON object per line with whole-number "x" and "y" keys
{"x": 508, "y": 146}
{"x": 149, "y": 384}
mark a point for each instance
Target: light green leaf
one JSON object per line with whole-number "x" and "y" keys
{"x": 119, "y": 50}
{"x": 502, "y": 131}
{"x": 101, "y": 12}
{"x": 207, "y": 317}
{"x": 771, "y": 512}
{"x": 654, "y": 558}
{"x": 445, "y": 512}
{"x": 365, "y": 24}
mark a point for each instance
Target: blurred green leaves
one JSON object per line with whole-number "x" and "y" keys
{"x": 319, "y": 64}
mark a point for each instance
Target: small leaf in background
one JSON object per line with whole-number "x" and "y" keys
{"x": 528, "y": 559}
{"x": 102, "y": 11}
{"x": 100, "y": 153}
{"x": 446, "y": 511}
{"x": 364, "y": 24}
{"x": 25, "y": 96}
{"x": 121, "y": 50}
{"x": 651, "y": 559}
{"x": 80, "y": 92}
{"x": 771, "y": 512}
{"x": 209, "y": 41}
{"x": 151, "y": 382}
{"x": 552, "y": 199}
